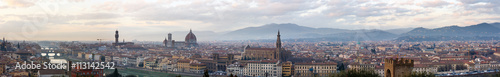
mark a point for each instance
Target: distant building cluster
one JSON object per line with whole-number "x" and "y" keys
{"x": 190, "y": 41}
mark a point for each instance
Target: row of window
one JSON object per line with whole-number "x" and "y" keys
{"x": 322, "y": 67}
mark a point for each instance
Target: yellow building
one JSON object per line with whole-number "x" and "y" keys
{"x": 197, "y": 67}
{"x": 322, "y": 69}
{"x": 150, "y": 63}
{"x": 287, "y": 70}
{"x": 183, "y": 65}
{"x": 2, "y": 68}
{"x": 19, "y": 74}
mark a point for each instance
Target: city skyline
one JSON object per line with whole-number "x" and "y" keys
{"x": 90, "y": 20}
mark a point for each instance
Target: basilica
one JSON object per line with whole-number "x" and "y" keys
{"x": 189, "y": 41}
{"x": 277, "y": 53}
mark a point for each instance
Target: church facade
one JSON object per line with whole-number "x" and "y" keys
{"x": 190, "y": 41}
{"x": 277, "y": 53}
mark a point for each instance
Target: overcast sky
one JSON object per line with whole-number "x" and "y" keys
{"x": 91, "y": 19}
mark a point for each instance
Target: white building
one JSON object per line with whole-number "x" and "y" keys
{"x": 124, "y": 60}
{"x": 235, "y": 69}
{"x": 132, "y": 61}
{"x": 263, "y": 68}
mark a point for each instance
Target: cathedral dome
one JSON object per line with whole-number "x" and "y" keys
{"x": 190, "y": 37}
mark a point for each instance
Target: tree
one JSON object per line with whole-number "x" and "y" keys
{"x": 141, "y": 65}
{"x": 341, "y": 67}
{"x": 103, "y": 58}
{"x": 373, "y": 51}
{"x": 205, "y": 74}
{"x": 114, "y": 74}
{"x": 497, "y": 74}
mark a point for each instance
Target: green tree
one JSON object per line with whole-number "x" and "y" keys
{"x": 114, "y": 74}
{"x": 141, "y": 64}
{"x": 373, "y": 51}
{"x": 205, "y": 74}
{"x": 497, "y": 74}
{"x": 103, "y": 58}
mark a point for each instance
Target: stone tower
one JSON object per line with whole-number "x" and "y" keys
{"x": 169, "y": 37}
{"x": 398, "y": 67}
{"x": 116, "y": 37}
{"x": 278, "y": 46}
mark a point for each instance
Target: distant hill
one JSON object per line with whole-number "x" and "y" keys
{"x": 399, "y": 30}
{"x": 496, "y": 24}
{"x": 293, "y": 31}
{"x": 482, "y": 29}
{"x": 474, "y": 32}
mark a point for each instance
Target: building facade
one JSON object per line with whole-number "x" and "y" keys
{"x": 309, "y": 69}
{"x": 235, "y": 69}
{"x": 197, "y": 67}
{"x": 398, "y": 67}
{"x": 263, "y": 68}
{"x": 183, "y": 65}
{"x": 277, "y": 53}
{"x": 287, "y": 69}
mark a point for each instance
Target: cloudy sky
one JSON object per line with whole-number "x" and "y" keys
{"x": 91, "y": 19}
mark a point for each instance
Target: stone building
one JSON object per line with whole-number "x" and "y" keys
{"x": 277, "y": 53}
{"x": 189, "y": 41}
{"x": 398, "y": 67}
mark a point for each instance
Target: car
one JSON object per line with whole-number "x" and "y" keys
{"x": 461, "y": 73}
{"x": 474, "y": 72}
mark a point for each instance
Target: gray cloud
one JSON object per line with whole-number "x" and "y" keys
{"x": 482, "y": 6}
{"x": 434, "y": 3}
